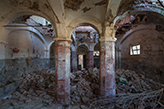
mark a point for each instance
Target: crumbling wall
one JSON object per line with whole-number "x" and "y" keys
{"x": 151, "y": 58}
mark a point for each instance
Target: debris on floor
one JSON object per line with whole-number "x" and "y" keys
{"x": 133, "y": 91}
{"x": 41, "y": 83}
{"x": 147, "y": 99}
{"x": 37, "y": 88}
{"x": 130, "y": 82}
{"x": 84, "y": 86}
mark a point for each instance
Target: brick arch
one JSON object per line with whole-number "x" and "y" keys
{"x": 18, "y": 13}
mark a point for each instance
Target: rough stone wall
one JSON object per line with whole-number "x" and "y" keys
{"x": 151, "y": 58}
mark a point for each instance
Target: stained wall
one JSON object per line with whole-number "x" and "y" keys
{"x": 151, "y": 58}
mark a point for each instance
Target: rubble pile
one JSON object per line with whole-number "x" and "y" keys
{"x": 144, "y": 100}
{"x": 84, "y": 86}
{"x": 130, "y": 82}
{"x": 84, "y": 89}
{"x": 133, "y": 91}
{"x": 36, "y": 85}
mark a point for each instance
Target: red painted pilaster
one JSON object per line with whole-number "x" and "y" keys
{"x": 90, "y": 59}
{"x": 62, "y": 71}
{"x": 107, "y": 68}
{"x": 74, "y": 61}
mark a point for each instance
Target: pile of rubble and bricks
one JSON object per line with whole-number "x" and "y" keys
{"x": 36, "y": 91}
{"x": 133, "y": 91}
{"x": 84, "y": 86}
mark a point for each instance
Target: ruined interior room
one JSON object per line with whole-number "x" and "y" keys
{"x": 81, "y": 54}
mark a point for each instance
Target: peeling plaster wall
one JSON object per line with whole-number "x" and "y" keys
{"x": 151, "y": 59}
{"x": 87, "y": 8}
{"x": 28, "y": 43}
{"x": 31, "y": 57}
{"x": 83, "y": 37}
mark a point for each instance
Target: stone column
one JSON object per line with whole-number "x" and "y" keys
{"x": 74, "y": 61}
{"x": 90, "y": 60}
{"x": 62, "y": 70}
{"x": 107, "y": 67}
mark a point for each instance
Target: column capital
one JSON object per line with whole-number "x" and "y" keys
{"x": 110, "y": 39}
{"x": 62, "y": 39}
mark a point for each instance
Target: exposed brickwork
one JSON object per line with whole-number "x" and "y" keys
{"x": 62, "y": 71}
{"x": 107, "y": 68}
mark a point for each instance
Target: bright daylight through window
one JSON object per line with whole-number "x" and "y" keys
{"x": 135, "y": 50}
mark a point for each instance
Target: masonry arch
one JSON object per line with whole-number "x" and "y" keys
{"x": 17, "y": 13}
{"x": 84, "y": 21}
{"x": 82, "y": 57}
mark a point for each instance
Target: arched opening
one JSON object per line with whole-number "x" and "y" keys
{"x": 38, "y": 30}
{"x": 25, "y": 48}
{"x": 82, "y": 54}
{"x": 96, "y": 55}
{"x": 85, "y": 37}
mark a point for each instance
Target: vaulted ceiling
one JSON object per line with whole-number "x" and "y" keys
{"x": 69, "y": 13}
{"x": 64, "y": 11}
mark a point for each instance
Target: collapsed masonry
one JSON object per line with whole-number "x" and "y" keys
{"x": 40, "y": 86}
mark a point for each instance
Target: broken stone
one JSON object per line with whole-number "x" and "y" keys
{"x": 82, "y": 107}
{"x": 13, "y": 103}
{"x": 27, "y": 101}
